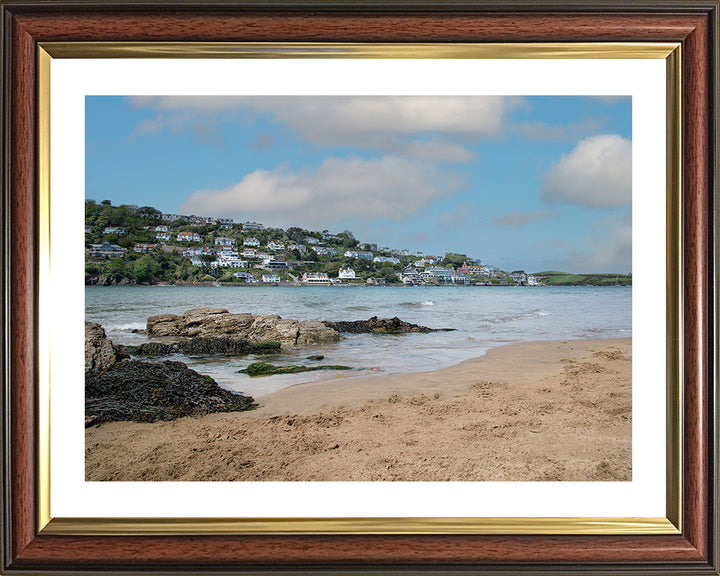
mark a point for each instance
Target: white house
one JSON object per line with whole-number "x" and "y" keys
{"x": 325, "y": 251}
{"x": 144, "y": 248}
{"x": 358, "y": 254}
{"x": 299, "y": 247}
{"x": 315, "y": 278}
{"x": 251, "y": 242}
{"x": 88, "y": 229}
{"x": 188, "y": 237}
{"x": 250, "y": 253}
{"x": 311, "y": 240}
{"x": 346, "y": 274}
{"x": 161, "y": 228}
{"x": 114, "y": 230}
{"x": 196, "y": 251}
{"x": 445, "y": 276}
{"x": 223, "y": 241}
{"x": 270, "y": 278}
{"x": 163, "y": 236}
{"x": 229, "y": 260}
{"x": 247, "y": 276}
{"x": 276, "y": 246}
{"x": 391, "y": 259}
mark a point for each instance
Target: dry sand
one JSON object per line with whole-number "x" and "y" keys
{"x": 532, "y": 411}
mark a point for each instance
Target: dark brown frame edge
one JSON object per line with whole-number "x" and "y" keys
{"x": 25, "y": 23}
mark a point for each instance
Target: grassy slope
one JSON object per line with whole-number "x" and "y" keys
{"x": 555, "y": 278}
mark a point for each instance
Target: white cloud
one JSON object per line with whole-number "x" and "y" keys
{"x": 522, "y": 218}
{"x": 394, "y": 124}
{"x": 597, "y": 173}
{"x": 608, "y": 248}
{"x": 339, "y": 190}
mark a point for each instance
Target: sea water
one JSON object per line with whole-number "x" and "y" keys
{"x": 483, "y": 317}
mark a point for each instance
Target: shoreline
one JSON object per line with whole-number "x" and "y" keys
{"x": 547, "y": 410}
{"x": 345, "y": 387}
{"x": 300, "y": 285}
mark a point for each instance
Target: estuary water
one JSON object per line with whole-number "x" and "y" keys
{"x": 483, "y": 317}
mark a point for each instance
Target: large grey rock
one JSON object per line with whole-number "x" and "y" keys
{"x": 219, "y": 323}
{"x": 164, "y": 325}
{"x": 100, "y": 353}
{"x": 316, "y": 332}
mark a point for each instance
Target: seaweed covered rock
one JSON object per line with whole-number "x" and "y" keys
{"x": 100, "y": 353}
{"x": 377, "y": 325}
{"x": 265, "y": 369}
{"x": 200, "y": 346}
{"x": 151, "y": 391}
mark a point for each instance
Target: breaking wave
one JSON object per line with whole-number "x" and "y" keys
{"x": 532, "y": 315}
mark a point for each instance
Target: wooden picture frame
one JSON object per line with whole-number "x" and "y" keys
{"x": 28, "y": 547}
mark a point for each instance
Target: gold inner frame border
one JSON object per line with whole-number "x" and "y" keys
{"x": 671, "y": 524}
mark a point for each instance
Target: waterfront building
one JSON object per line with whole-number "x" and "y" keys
{"x": 270, "y": 278}
{"x": 440, "y": 275}
{"x": 346, "y": 274}
{"x": 247, "y": 276}
{"x": 319, "y": 278}
{"x": 412, "y": 276}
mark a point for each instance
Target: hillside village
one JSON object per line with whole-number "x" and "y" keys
{"x": 140, "y": 245}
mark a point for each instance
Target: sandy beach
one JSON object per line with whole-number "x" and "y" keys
{"x": 533, "y": 411}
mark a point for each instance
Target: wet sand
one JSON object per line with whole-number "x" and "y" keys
{"x": 532, "y": 411}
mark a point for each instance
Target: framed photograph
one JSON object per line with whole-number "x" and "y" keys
{"x": 361, "y": 287}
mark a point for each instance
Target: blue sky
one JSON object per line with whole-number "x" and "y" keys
{"x": 533, "y": 183}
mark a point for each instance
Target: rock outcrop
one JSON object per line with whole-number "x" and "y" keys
{"x": 219, "y": 323}
{"x": 100, "y": 353}
{"x": 151, "y": 391}
{"x": 199, "y": 346}
{"x": 377, "y": 325}
{"x": 264, "y": 369}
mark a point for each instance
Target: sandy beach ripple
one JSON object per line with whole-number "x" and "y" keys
{"x": 542, "y": 411}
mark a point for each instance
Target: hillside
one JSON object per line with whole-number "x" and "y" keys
{"x": 141, "y": 245}
{"x": 554, "y": 278}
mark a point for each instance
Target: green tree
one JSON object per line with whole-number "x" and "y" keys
{"x": 454, "y": 259}
{"x": 146, "y": 268}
